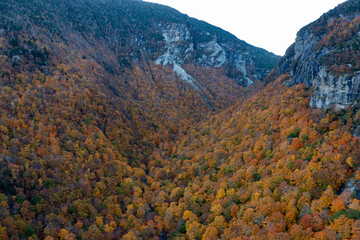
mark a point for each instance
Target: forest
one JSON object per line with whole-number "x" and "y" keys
{"x": 99, "y": 142}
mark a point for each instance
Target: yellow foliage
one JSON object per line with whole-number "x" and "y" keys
{"x": 137, "y": 191}
{"x": 110, "y": 227}
{"x": 257, "y": 196}
{"x": 219, "y": 222}
{"x": 248, "y": 214}
{"x": 65, "y": 235}
{"x": 230, "y": 192}
{"x": 216, "y": 209}
{"x": 220, "y": 193}
{"x": 193, "y": 230}
{"x": 99, "y": 221}
{"x": 211, "y": 233}
{"x": 350, "y": 162}
{"x": 187, "y": 215}
{"x": 129, "y": 236}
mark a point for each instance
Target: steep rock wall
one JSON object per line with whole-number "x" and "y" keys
{"x": 326, "y": 56}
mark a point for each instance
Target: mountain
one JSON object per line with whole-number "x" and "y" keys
{"x": 134, "y": 32}
{"x": 282, "y": 164}
{"x": 147, "y": 63}
{"x": 89, "y": 90}
{"x": 326, "y": 55}
{"x": 124, "y": 119}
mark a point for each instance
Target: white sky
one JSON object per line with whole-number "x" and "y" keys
{"x": 269, "y": 24}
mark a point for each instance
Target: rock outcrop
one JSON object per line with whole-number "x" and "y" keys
{"x": 185, "y": 44}
{"x": 325, "y": 56}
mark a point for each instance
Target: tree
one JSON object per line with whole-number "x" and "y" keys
{"x": 211, "y": 233}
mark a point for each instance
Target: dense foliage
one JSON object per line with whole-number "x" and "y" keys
{"x": 97, "y": 142}
{"x": 269, "y": 168}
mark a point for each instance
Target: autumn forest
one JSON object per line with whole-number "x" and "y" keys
{"x": 100, "y": 142}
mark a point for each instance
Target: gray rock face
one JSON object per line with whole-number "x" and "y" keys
{"x": 341, "y": 91}
{"x": 182, "y": 47}
{"x": 212, "y": 54}
{"x": 304, "y": 62}
{"x": 177, "y": 47}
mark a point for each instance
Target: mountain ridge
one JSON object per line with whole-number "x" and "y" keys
{"x": 114, "y": 128}
{"x": 100, "y": 45}
{"x": 325, "y": 55}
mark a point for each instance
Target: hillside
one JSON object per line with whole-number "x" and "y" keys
{"x": 107, "y": 55}
{"x": 326, "y": 56}
{"x": 84, "y": 103}
{"x": 121, "y": 119}
{"x": 269, "y": 168}
{"x": 134, "y": 33}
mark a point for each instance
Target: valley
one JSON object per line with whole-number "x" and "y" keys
{"x": 129, "y": 120}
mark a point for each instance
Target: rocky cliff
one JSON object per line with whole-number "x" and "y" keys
{"x": 186, "y": 43}
{"x": 326, "y": 57}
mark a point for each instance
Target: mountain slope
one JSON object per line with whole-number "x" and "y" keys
{"x": 84, "y": 104}
{"x": 138, "y": 31}
{"x": 268, "y": 168}
{"x": 108, "y": 131}
{"x": 112, "y": 46}
{"x": 326, "y": 56}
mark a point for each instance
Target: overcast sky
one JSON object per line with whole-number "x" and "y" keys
{"x": 269, "y": 24}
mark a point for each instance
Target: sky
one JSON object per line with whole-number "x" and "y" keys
{"x": 269, "y": 24}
